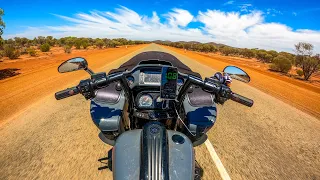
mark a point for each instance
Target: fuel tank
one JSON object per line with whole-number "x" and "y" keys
{"x": 153, "y": 153}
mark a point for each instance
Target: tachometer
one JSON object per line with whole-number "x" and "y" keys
{"x": 145, "y": 101}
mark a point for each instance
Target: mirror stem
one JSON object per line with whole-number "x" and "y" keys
{"x": 89, "y": 71}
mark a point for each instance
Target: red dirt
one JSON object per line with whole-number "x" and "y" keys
{"x": 19, "y": 91}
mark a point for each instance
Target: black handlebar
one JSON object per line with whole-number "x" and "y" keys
{"x": 100, "y": 80}
{"x": 66, "y": 93}
{"x": 241, "y": 99}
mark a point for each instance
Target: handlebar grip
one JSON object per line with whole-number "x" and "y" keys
{"x": 66, "y": 93}
{"x": 241, "y": 99}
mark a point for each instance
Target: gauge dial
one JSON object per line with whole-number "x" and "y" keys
{"x": 145, "y": 101}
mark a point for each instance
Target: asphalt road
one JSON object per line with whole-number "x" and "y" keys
{"x": 57, "y": 139}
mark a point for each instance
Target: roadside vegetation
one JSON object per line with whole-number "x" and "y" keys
{"x": 304, "y": 60}
{"x": 14, "y": 47}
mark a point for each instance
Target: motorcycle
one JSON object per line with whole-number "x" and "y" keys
{"x": 153, "y": 110}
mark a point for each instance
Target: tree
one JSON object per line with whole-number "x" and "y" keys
{"x": 50, "y": 40}
{"x": 40, "y": 40}
{"x": 304, "y": 59}
{"x": 281, "y": 63}
{"x": 2, "y": 24}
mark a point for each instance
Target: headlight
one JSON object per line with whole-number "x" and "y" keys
{"x": 145, "y": 101}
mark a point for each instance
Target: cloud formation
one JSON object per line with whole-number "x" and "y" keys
{"x": 228, "y": 3}
{"x": 232, "y": 28}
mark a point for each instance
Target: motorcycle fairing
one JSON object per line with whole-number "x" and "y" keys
{"x": 154, "y": 55}
{"x": 201, "y": 112}
{"x": 106, "y": 108}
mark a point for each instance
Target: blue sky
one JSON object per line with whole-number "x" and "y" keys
{"x": 270, "y": 24}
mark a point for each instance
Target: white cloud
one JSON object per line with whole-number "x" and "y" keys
{"x": 273, "y": 12}
{"x": 228, "y": 3}
{"x": 245, "y": 7}
{"x": 179, "y": 17}
{"x": 231, "y": 28}
{"x": 228, "y": 24}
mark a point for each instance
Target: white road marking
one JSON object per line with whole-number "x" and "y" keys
{"x": 223, "y": 172}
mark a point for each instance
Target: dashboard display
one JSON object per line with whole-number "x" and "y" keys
{"x": 145, "y": 101}
{"x": 150, "y": 78}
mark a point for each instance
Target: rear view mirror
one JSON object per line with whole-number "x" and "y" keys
{"x": 237, "y": 73}
{"x": 73, "y": 64}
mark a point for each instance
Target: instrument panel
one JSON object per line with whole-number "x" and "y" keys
{"x": 144, "y": 82}
{"x": 150, "y": 78}
{"x": 149, "y": 100}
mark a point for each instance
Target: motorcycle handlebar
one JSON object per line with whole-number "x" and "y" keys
{"x": 209, "y": 84}
{"x": 241, "y": 99}
{"x": 66, "y": 93}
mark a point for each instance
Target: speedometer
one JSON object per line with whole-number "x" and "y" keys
{"x": 145, "y": 101}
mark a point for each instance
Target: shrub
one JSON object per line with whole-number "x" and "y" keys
{"x": 291, "y": 57}
{"x": 227, "y": 51}
{"x": 281, "y": 63}
{"x": 299, "y": 72}
{"x": 67, "y": 49}
{"x": 77, "y": 43}
{"x": 32, "y": 52}
{"x": 113, "y": 43}
{"x": 11, "y": 52}
{"x": 23, "y": 50}
{"x": 45, "y": 47}
{"x": 273, "y": 53}
{"x": 248, "y": 53}
{"x": 264, "y": 56}
{"x": 85, "y": 44}
{"x": 1, "y": 43}
{"x": 99, "y": 43}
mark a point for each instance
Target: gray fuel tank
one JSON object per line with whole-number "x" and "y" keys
{"x": 153, "y": 153}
